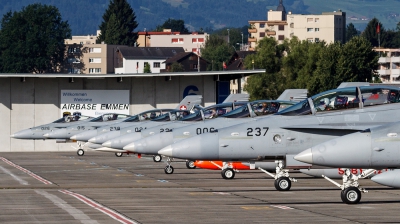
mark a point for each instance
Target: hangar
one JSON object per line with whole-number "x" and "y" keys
{"x": 28, "y": 100}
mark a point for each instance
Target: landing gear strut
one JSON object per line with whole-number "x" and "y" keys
{"x": 80, "y": 151}
{"x": 283, "y": 181}
{"x": 351, "y": 190}
{"x": 169, "y": 169}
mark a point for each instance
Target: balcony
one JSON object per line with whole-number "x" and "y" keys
{"x": 252, "y": 39}
{"x": 396, "y": 72}
{"x": 384, "y": 72}
{"x": 395, "y": 59}
{"x": 252, "y": 30}
{"x": 384, "y": 60}
{"x": 271, "y": 33}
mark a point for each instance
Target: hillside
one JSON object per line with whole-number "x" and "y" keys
{"x": 85, "y": 16}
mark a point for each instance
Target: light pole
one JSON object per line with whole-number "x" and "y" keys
{"x": 241, "y": 48}
{"x": 228, "y": 36}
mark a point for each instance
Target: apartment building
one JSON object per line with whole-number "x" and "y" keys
{"x": 389, "y": 65}
{"x": 190, "y": 42}
{"x": 329, "y": 26}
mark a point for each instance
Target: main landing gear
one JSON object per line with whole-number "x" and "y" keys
{"x": 283, "y": 181}
{"x": 79, "y": 151}
{"x": 157, "y": 158}
{"x": 190, "y": 164}
{"x": 351, "y": 190}
{"x": 118, "y": 154}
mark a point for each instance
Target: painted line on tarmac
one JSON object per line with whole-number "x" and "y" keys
{"x": 37, "y": 177}
{"x": 13, "y": 176}
{"x": 74, "y": 212}
{"x": 281, "y": 207}
{"x": 113, "y": 214}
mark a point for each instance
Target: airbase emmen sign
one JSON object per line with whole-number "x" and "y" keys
{"x": 95, "y": 102}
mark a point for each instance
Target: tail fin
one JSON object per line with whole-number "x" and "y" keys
{"x": 296, "y": 95}
{"x": 189, "y": 101}
{"x": 237, "y": 97}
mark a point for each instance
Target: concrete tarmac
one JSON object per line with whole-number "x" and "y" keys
{"x": 61, "y": 187}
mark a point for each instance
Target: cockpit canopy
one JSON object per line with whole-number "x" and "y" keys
{"x": 345, "y": 98}
{"x": 109, "y": 117}
{"x": 259, "y": 108}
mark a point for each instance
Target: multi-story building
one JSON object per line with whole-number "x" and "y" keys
{"x": 329, "y": 26}
{"x": 191, "y": 42}
{"x": 389, "y": 65}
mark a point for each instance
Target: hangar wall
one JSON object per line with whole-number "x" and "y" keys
{"x": 37, "y": 101}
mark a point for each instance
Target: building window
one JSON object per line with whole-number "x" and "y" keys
{"x": 94, "y": 60}
{"x": 310, "y": 20}
{"x": 200, "y": 40}
{"x": 156, "y": 64}
{"x": 74, "y": 71}
{"x": 262, "y": 25}
{"x": 281, "y": 27}
{"x": 262, "y": 34}
{"x": 74, "y": 50}
{"x": 316, "y": 29}
{"x": 281, "y": 37}
{"x": 94, "y": 70}
{"x": 194, "y": 50}
{"x": 95, "y": 50}
{"x": 291, "y": 34}
{"x": 292, "y": 25}
{"x": 316, "y": 40}
{"x": 81, "y": 42}
{"x": 317, "y": 20}
{"x": 309, "y": 29}
{"x": 310, "y": 40}
{"x": 194, "y": 66}
{"x": 177, "y": 40}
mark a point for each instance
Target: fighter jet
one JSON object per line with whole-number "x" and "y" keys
{"x": 370, "y": 149}
{"x": 111, "y": 122}
{"x": 281, "y": 136}
{"x": 37, "y": 132}
{"x": 115, "y": 142}
{"x": 151, "y": 144}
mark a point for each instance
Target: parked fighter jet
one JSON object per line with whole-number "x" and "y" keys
{"x": 115, "y": 141}
{"x": 37, "y": 132}
{"x": 110, "y": 121}
{"x": 372, "y": 148}
{"x": 116, "y": 144}
{"x": 281, "y": 136}
{"x": 390, "y": 179}
{"x": 151, "y": 144}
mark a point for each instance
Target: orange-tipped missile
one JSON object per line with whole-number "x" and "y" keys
{"x": 217, "y": 165}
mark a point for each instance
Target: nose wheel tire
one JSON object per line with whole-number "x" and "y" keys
{"x": 283, "y": 184}
{"x": 118, "y": 154}
{"x": 228, "y": 173}
{"x": 157, "y": 158}
{"x": 190, "y": 164}
{"x": 80, "y": 152}
{"x": 351, "y": 195}
{"x": 169, "y": 170}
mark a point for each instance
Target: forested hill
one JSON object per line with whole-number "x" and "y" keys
{"x": 84, "y": 16}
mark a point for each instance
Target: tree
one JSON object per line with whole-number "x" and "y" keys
{"x": 121, "y": 29}
{"x": 351, "y": 31}
{"x": 146, "y": 68}
{"x": 357, "y": 62}
{"x": 371, "y": 32}
{"x": 32, "y": 40}
{"x": 177, "y": 67}
{"x": 174, "y": 25}
{"x": 217, "y": 51}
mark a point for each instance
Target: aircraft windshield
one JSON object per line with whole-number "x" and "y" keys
{"x": 372, "y": 96}
{"x": 301, "y": 108}
{"x": 216, "y": 110}
{"x": 109, "y": 117}
{"x": 172, "y": 115}
{"x": 71, "y": 118}
{"x": 196, "y": 116}
{"x": 336, "y": 99}
{"x": 242, "y": 111}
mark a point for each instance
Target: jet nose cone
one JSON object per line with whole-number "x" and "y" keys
{"x": 130, "y": 147}
{"x": 73, "y": 137}
{"x": 107, "y": 144}
{"x": 24, "y": 134}
{"x": 306, "y": 156}
{"x": 388, "y": 178}
{"x": 200, "y": 147}
{"x": 92, "y": 140}
{"x": 46, "y": 135}
{"x": 84, "y": 136}
{"x": 166, "y": 151}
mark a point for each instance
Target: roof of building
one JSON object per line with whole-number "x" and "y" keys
{"x": 281, "y": 7}
{"x": 149, "y": 52}
{"x": 180, "y": 57}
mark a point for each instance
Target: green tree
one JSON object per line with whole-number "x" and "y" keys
{"x": 174, "y": 25}
{"x": 217, "y": 51}
{"x": 32, "y": 40}
{"x": 351, "y": 31}
{"x": 146, "y": 68}
{"x": 112, "y": 36}
{"x": 357, "y": 62}
{"x": 123, "y": 25}
{"x": 370, "y": 33}
{"x": 177, "y": 67}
